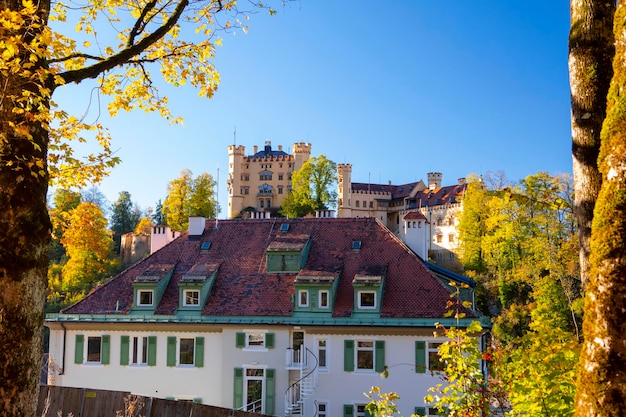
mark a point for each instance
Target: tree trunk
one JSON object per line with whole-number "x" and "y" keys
{"x": 591, "y": 53}
{"x": 601, "y": 389}
{"x": 24, "y": 229}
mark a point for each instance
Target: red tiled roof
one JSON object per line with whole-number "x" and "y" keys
{"x": 396, "y": 191}
{"x": 243, "y": 288}
{"x": 414, "y": 215}
{"x": 443, "y": 195}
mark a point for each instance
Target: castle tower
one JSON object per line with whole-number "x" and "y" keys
{"x": 344, "y": 192}
{"x": 301, "y": 152}
{"x": 434, "y": 180}
{"x": 236, "y": 156}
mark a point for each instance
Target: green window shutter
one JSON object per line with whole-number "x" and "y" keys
{"x": 379, "y": 347}
{"x": 152, "y": 346}
{"x": 106, "y": 349}
{"x": 79, "y": 348}
{"x": 269, "y": 340}
{"x": 124, "y": 350}
{"x": 238, "y": 389}
{"x": 348, "y": 410}
{"x": 270, "y": 391}
{"x": 240, "y": 340}
{"x": 420, "y": 356}
{"x": 366, "y": 413}
{"x": 199, "y": 353}
{"x": 171, "y": 351}
{"x": 420, "y": 411}
{"x": 197, "y": 400}
{"x": 348, "y": 355}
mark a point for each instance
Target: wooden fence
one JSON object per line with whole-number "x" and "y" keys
{"x": 83, "y": 402}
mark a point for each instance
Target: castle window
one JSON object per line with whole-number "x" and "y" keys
{"x": 439, "y": 238}
{"x": 371, "y": 204}
{"x": 439, "y": 221}
{"x": 450, "y": 221}
{"x": 280, "y": 177}
{"x": 280, "y": 189}
{"x": 357, "y": 203}
{"x": 451, "y": 237}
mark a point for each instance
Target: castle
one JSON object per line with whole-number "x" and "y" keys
{"x": 259, "y": 183}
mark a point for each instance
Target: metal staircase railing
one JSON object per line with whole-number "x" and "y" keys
{"x": 306, "y": 362}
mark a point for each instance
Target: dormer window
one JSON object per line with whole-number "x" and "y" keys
{"x": 194, "y": 287}
{"x": 145, "y": 298}
{"x": 287, "y": 253}
{"x": 191, "y": 298}
{"x": 149, "y": 287}
{"x": 367, "y": 299}
{"x": 368, "y": 291}
{"x": 303, "y": 298}
{"x": 323, "y": 299}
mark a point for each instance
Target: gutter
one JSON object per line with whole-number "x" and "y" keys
{"x": 63, "y": 352}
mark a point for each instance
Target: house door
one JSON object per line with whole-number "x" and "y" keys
{"x": 253, "y": 383}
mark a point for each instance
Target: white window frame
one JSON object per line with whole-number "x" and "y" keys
{"x": 193, "y": 353}
{"x": 185, "y": 303}
{"x": 99, "y": 361}
{"x": 303, "y": 298}
{"x": 357, "y": 348}
{"x": 139, "y": 303}
{"x": 367, "y": 307}
{"x": 249, "y": 334}
{"x": 432, "y": 347}
{"x": 325, "y": 348}
{"x": 320, "y": 298}
{"x": 139, "y": 351}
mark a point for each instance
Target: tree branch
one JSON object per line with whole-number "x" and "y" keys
{"x": 127, "y": 54}
{"x": 140, "y": 23}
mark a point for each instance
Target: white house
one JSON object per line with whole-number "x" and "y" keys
{"x": 281, "y": 316}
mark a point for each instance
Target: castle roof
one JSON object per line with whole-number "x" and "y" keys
{"x": 238, "y": 256}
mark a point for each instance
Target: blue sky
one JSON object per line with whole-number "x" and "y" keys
{"x": 397, "y": 89}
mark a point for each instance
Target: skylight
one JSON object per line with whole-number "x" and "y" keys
{"x": 205, "y": 246}
{"x": 356, "y": 244}
{"x": 284, "y": 227}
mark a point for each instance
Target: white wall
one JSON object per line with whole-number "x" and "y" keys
{"x": 213, "y": 382}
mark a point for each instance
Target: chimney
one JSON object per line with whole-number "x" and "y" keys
{"x": 461, "y": 181}
{"x": 280, "y": 147}
{"x": 256, "y": 148}
{"x": 196, "y": 225}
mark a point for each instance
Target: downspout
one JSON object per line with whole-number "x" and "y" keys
{"x": 63, "y": 351}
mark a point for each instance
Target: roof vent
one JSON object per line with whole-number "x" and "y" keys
{"x": 284, "y": 227}
{"x": 356, "y": 244}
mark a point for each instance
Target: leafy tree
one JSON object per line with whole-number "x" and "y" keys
{"x": 35, "y": 134}
{"x": 514, "y": 240}
{"x": 188, "y": 196}
{"x": 95, "y": 196}
{"x": 89, "y": 246}
{"x": 124, "y": 218}
{"x": 311, "y": 188}
{"x": 63, "y": 202}
{"x": 144, "y": 226}
{"x": 158, "y": 217}
{"x": 465, "y": 391}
